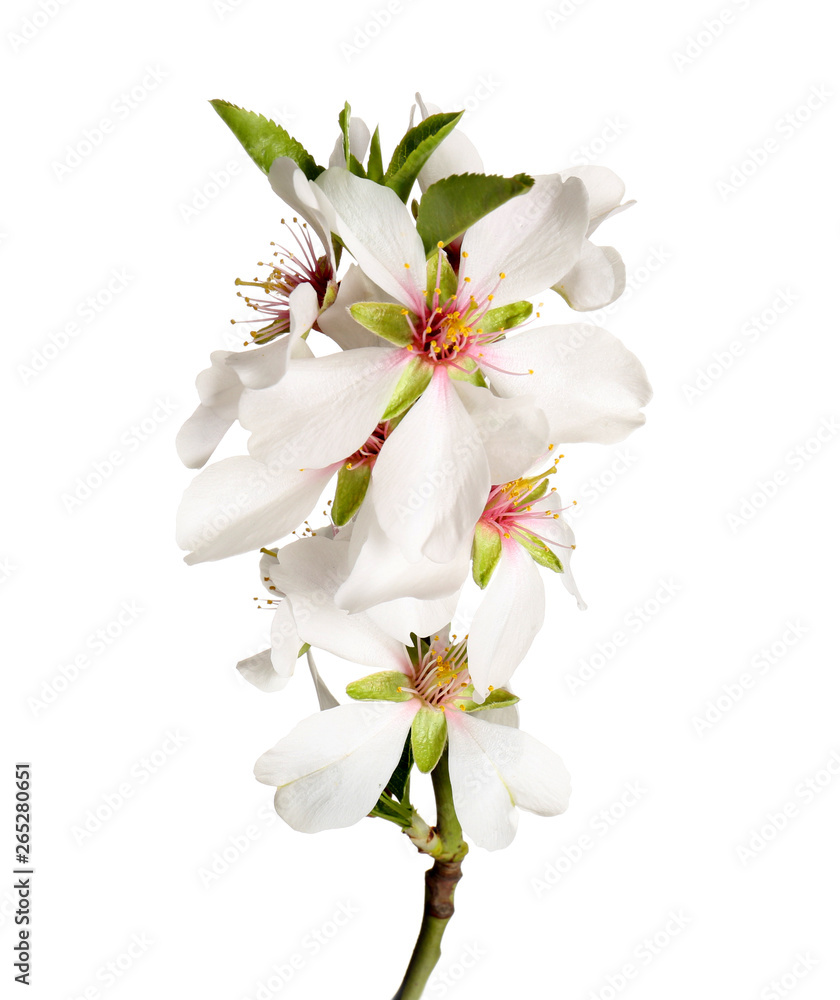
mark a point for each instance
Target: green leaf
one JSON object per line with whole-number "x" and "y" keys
{"x": 498, "y": 698}
{"x": 263, "y": 140}
{"x": 398, "y": 785}
{"x": 540, "y": 553}
{"x": 486, "y": 552}
{"x": 393, "y": 811}
{"x": 384, "y": 686}
{"x": 374, "y": 168}
{"x": 415, "y": 148}
{"x": 506, "y": 317}
{"x": 453, "y": 204}
{"x": 344, "y": 125}
{"x": 350, "y": 492}
{"x": 428, "y": 737}
{"x": 413, "y": 381}
{"x": 448, "y": 279}
{"x": 389, "y": 320}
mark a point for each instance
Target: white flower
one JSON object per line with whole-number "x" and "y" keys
{"x": 331, "y": 769}
{"x": 302, "y": 580}
{"x": 598, "y": 277}
{"x": 433, "y": 475}
{"x": 522, "y": 526}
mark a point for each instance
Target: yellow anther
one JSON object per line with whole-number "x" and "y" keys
{"x": 507, "y": 534}
{"x": 464, "y": 253}
{"x": 530, "y": 371}
{"x": 467, "y": 279}
{"x": 399, "y": 690}
{"x": 440, "y": 244}
{"x": 348, "y": 466}
{"x": 404, "y": 312}
{"x": 490, "y": 687}
{"x": 502, "y": 274}
{"x": 490, "y": 298}
{"x": 463, "y": 708}
{"x": 406, "y": 265}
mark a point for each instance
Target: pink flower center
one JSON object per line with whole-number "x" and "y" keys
{"x": 292, "y": 268}
{"x": 449, "y": 330}
{"x": 369, "y": 451}
{"x": 512, "y": 511}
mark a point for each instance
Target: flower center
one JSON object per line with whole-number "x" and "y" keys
{"x": 292, "y": 268}
{"x": 450, "y": 329}
{"x": 369, "y": 451}
{"x": 441, "y": 674}
{"x": 512, "y": 503}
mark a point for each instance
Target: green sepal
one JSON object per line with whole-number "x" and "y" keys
{"x": 506, "y": 317}
{"x": 428, "y": 737}
{"x": 448, "y": 280}
{"x": 499, "y": 698}
{"x": 537, "y": 493}
{"x": 415, "y": 148}
{"x": 486, "y": 553}
{"x": 473, "y": 373}
{"x": 540, "y": 552}
{"x": 304, "y": 649}
{"x": 263, "y": 140}
{"x": 451, "y": 205}
{"x": 384, "y": 686}
{"x": 415, "y": 377}
{"x": 350, "y": 491}
{"x": 389, "y": 320}
{"x": 375, "y": 170}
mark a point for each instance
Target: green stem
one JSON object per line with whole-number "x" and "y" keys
{"x": 448, "y": 849}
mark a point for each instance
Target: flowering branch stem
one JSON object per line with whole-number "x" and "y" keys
{"x": 446, "y": 845}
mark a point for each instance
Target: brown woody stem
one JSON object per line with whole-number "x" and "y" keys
{"x": 448, "y": 849}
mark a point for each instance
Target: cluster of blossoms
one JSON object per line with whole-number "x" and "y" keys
{"x": 437, "y": 405}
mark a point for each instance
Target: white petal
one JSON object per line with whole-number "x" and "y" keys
{"x": 259, "y": 671}
{"x": 237, "y": 505}
{"x": 381, "y": 572}
{"x": 292, "y": 185}
{"x": 323, "y": 409}
{"x": 604, "y": 187}
{"x": 309, "y": 572}
{"x": 585, "y": 380}
{"x": 514, "y": 436}
{"x": 326, "y": 699}
{"x": 431, "y": 479}
{"x": 285, "y": 641}
{"x": 532, "y": 239}
{"x": 336, "y": 321}
{"x": 402, "y": 617}
{"x": 508, "y": 618}
{"x": 455, "y": 155}
{"x": 598, "y": 278}
{"x": 263, "y": 366}
{"x": 219, "y": 390}
{"x": 493, "y": 768}
{"x": 332, "y": 767}
{"x": 378, "y": 230}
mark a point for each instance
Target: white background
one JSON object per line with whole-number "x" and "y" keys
{"x": 167, "y": 198}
